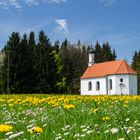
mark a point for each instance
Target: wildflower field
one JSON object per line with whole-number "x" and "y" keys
{"x": 65, "y": 117}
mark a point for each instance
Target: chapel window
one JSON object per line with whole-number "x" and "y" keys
{"x": 97, "y": 85}
{"x": 89, "y": 86}
{"x": 110, "y": 84}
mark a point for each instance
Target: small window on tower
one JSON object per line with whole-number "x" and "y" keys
{"x": 121, "y": 80}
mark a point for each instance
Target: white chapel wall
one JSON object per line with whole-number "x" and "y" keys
{"x": 94, "y": 91}
{"x": 113, "y": 90}
{"x": 122, "y": 88}
{"x": 133, "y": 84}
{"x": 126, "y": 87}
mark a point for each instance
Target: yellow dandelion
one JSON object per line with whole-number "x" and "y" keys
{"x": 126, "y": 102}
{"x": 69, "y": 106}
{"x": 5, "y": 128}
{"x": 11, "y": 104}
{"x": 95, "y": 110}
{"x": 10, "y": 100}
{"x": 36, "y": 129}
{"x": 106, "y": 118}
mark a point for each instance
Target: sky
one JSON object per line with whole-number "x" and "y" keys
{"x": 115, "y": 21}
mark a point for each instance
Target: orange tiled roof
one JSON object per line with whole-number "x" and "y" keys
{"x": 108, "y": 68}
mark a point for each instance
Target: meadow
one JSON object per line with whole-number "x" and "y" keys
{"x": 66, "y": 117}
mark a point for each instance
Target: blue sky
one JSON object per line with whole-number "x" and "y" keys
{"x": 115, "y": 21}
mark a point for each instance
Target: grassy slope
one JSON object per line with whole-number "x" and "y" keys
{"x": 71, "y": 117}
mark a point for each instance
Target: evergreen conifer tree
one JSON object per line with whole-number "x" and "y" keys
{"x": 136, "y": 66}
{"x": 98, "y": 53}
{"x": 11, "y": 54}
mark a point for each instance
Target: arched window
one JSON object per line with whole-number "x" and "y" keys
{"x": 121, "y": 80}
{"x": 97, "y": 85}
{"x": 89, "y": 86}
{"x": 110, "y": 84}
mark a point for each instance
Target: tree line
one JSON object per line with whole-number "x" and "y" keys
{"x": 33, "y": 65}
{"x": 136, "y": 66}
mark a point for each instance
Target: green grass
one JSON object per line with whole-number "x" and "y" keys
{"x": 121, "y": 117}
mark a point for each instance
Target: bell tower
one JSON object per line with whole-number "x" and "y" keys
{"x": 91, "y": 57}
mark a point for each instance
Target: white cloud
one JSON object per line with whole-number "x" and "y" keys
{"x": 14, "y": 3}
{"x": 62, "y": 26}
{"x": 54, "y": 1}
{"x": 107, "y": 2}
{"x": 31, "y": 2}
{"x": 17, "y": 4}
{"x": 6, "y": 4}
{"x": 36, "y": 2}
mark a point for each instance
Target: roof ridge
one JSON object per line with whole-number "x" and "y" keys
{"x": 108, "y": 61}
{"x": 126, "y": 66}
{"x": 119, "y": 66}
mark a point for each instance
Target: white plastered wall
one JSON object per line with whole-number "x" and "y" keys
{"x": 128, "y": 86}
{"x": 133, "y": 84}
{"x": 113, "y": 90}
{"x": 122, "y": 88}
{"x": 84, "y": 86}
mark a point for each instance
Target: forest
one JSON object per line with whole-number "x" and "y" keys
{"x": 30, "y": 64}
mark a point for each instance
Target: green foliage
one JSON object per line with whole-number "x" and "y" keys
{"x": 136, "y": 66}
{"x": 61, "y": 84}
{"x": 57, "y": 60}
{"x": 37, "y": 66}
{"x": 104, "y": 53}
{"x": 1, "y": 71}
{"x": 11, "y": 51}
{"x": 33, "y": 66}
{"x": 44, "y": 63}
{"x": 74, "y": 62}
